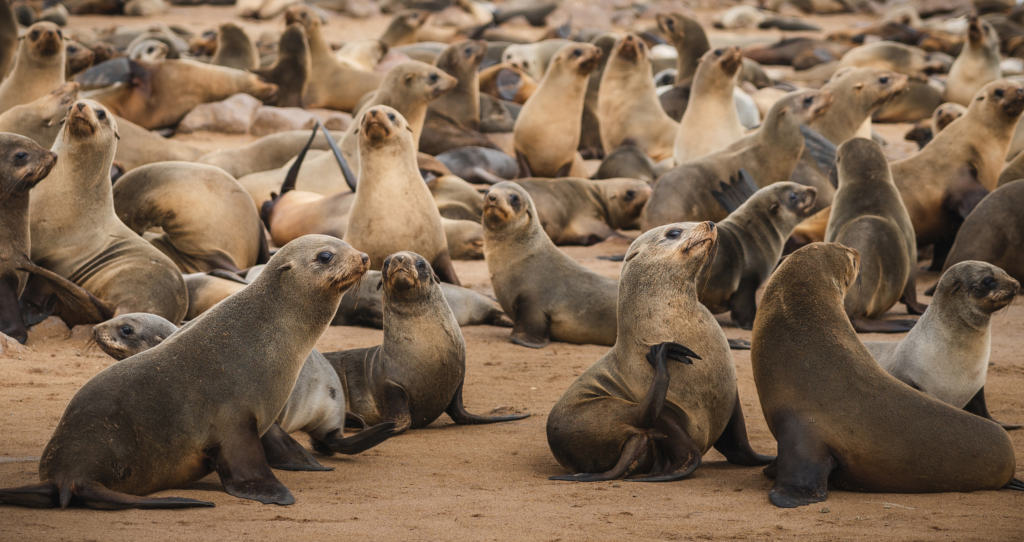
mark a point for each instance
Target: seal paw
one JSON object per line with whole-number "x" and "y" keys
{"x": 792, "y": 497}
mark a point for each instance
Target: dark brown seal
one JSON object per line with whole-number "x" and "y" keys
{"x": 994, "y": 232}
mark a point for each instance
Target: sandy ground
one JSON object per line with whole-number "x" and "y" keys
{"x": 488, "y": 482}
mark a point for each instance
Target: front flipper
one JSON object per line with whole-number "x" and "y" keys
{"x": 978, "y": 406}
{"x": 802, "y": 468}
{"x": 394, "y": 406}
{"x": 445, "y": 269}
{"x": 457, "y": 411}
{"x": 284, "y": 453}
{"x": 868, "y": 325}
{"x": 564, "y": 170}
{"x": 335, "y": 441}
{"x": 735, "y": 445}
{"x": 531, "y": 327}
{"x": 243, "y": 468}
{"x": 742, "y": 303}
{"x": 910, "y": 295}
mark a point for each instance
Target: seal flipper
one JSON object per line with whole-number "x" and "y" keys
{"x": 819, "y": 148}
{"x": 243, "y": 468}
{"x": 868, "y": 325}
{"x": 357, "y": 443}
{"x": 396, "y": 404}
{"x": 634, "y": 450}
{"x": 739, "y": 344}
{"x": 458, "y": 413}
{"x": 531, "y": 327}
{"x": 734, "y": 444}
{"x": 90, "y": 495}
{"x": 909, "y": 298}
{"x": 1014, "y": 484}
{"x": 978, "y": 406}
{"x": 445, "y": 269}
{"x": 743, "y": 304}
{"x": 284, "y": 453}
{"x": 524, "y": 165}
{"x": 802, "y": 468}
{"x": 11, "y": 322}
{"x": 738, "y": 190}
{"x": 76, "y": 304}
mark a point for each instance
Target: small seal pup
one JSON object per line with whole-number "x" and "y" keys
{"x": 202, "y": 398}
{"x": 393, "y": 209}
{"x": 583, "y": 212}
{"x": 76, "y": 233}
{"x": 946, "y": 354}
{"x": 710, "y": 122}
{"x": 976, "y": 65}
{"x": 316, "y": 405}
{"x": 838, "y": 417}
{"x": 41, "y": 119}
{"x": 868, "y": 215}
{"x": 418, "y": 371}
{"x": 547, "y": 130}
{"x": 994, "y": 232}
{"x": 620, "y": 420}
{"x": 545, "y": 292}
{"x": 38, "y": 66}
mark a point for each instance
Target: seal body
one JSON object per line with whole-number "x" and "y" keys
{"x": 842, "y": 420}
{"x": 712, "y": 122}
{"x": 976, "y": 65}
{"x": 583, "y": 212}
{"x": 993, "y": 232}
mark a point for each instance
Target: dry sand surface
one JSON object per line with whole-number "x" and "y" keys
{"x": 487, "y": 482}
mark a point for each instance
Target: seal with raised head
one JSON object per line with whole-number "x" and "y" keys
{"x": 838, "y": 417}
{"x": 76, "y": 233}
{"x": 857, "y": 93}
{"x": 947, "y": 353}
{"x": 868, "y": 215}
{"x": 393, "y": 209}
{"x": 545, "y": 292}
{"x": 194, "y": 425}
{"x": 41, "y": 119}
{"x": 620, "y": 418}
{"x": 976, "y": 65}
{"x": 994, "y": 232}
{"x": 38, "y": 67}
{"x": 710, "y": 122}
{"x": 417, "y": 373}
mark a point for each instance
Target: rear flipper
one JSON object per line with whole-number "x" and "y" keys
{"x": 457, "y": 411}
{"x": 802, "y": 468}
{"x": 733, "y": 443}
{"x": 89, "y": 495}
{"x": 357, "y": 443}
{"x": 868, "y": 325}
{"x": 75, "y": 304}
{"x": 284, "y": 453}
{"x": 530, "y": 327}
{"x": 1014, "y": 484}
{"x": 978, "y": 406}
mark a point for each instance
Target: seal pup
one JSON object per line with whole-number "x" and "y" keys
{"x": 197, "y": 425}
{"x": 76, "y": 233}
{"x": 976, "y": 65}
{"x": 547, "y": 131}
{"x": 41, "y": 119}
{"x": 291, "y": 69}
{"x": 235, "y": 49}
{"x": 868, "y": 215}
{"x": 946, "y": 354}
{"x": 545, "y": 292}
{"x": 393, "y": 208}
{"x": 584, "y": 212}
{"x": 994, "y": 232}
{"x": 418, "y": 371}
{"x": 38, "y": 67}
{"x": 838, "y": 417}
{"x": 710, "y": 122}
{"x": 627, "y": 103}
{"x": 208, "y": 221}
{"x": 619, "y": 420}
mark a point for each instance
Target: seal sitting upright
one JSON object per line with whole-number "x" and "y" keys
{"x": 618, "y": 419}
{"x": 200, "y": 400}
{"x": 838, "y": 417}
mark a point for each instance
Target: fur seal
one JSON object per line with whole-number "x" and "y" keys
{"x": 976, "y": 65}
{"x": 946, "y": 355}
{"x": 197, "y": 425}
{"x": 38, "y": 67}
{"x": 79, "y": 57}
{"x": 689, "y": 39}
{"x": 843, "y": 421}
{"x": 235, "y": 49}
{"x": 479, "y": 164}
{"x": 208, "y": 221}
{"x": 868, "y": 215}
{"x": 207, "y": 289}
{"x": 393, "y": 208}
{"x": 994, "y": 232}
{"x": 461, "y": 104}
{"x": 546, "y": 293}
{"x": 710, "y": 122}
{"x": 618, "y": 419}
{"x": 8, "y": 37}
{"x": 768, "y": 154}
{"x": 403, "y": 28}
{"x": 750, "y": 242}
{"x": 291, "y": 69}
{"x": 418, "y": 371}
{"x": 76, "y": 233}
{"x": 41, "y": 119}
{"x": 534, "y": 59}
{"x": 139, "y": 146}
{"x": 269, "y": 152}
{"x": 584, "y": 212}
{"x": 629, "y": 161}
{"x": 857, "y": 94}
{"x": 627, "y": 103}
{"x": 547, "y": 131}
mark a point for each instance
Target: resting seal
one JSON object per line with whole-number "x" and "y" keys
{"x": 583, "y": 212}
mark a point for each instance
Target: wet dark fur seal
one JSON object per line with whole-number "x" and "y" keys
{"x": 842, "y": 420}
{"x": 291, "y": 69}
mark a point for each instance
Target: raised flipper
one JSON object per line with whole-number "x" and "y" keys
{"x": 738, "y": 190}
{"x": 868, "y": 325}
{"x": 350, "y": 178}
{"x": 243, "y": 468}
{"x": 89, "y": 495}
{"x": 445, "y": 269}
{"x": 76, "y": 305}
{"x": 802, "y": 468}
{"x": 735, "y": 445}
{"x": 977, "y": 406}
{"x": 530, "y": 327}
{"x": 742, "y": 304}
{"x": 284, "y": 453}
{"x": 819, "y": 148}
{"x": 335, "y": 441}
{"x": 457, "y": 411}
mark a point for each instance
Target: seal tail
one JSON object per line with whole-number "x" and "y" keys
{"x": 90, "y": 495}
{"x": 359, "y": 442}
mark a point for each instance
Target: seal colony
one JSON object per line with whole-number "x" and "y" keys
{"x": 453, "y": 137}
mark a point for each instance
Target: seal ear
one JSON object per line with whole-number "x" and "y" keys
{"x": 858, "y": 86}
{"x": 631, "y": 254}
{"x": 409, "y": 78}
{"x": 774, "y": 208}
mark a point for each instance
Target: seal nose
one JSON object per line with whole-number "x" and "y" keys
{"x": 80, "y": 106}
{"x": 364, "y": 257}
{"x": 492, "y": 197}
{"x": 710, "y": 225}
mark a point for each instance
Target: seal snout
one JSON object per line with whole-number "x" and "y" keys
{"x": 377, "y": 123}
{"x": 731, "y": 59}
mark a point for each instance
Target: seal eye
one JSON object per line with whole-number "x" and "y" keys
{"x": 883, "y": 80}
{"x": 150, "y": 50}
{"x": 391, "y": 117}
{"x": 433, "y": 78}
{"x": 999, "y": 93}
{"x": 20, "y": 156}
{"x": 127, "y": 331}
{"x": 674, "y": 233}
{"x": 101, "y": 114}
{"x": 34, "y": 35}
{"x": 577, "y": 52}
{"x": 630, "y": 194}
{"x": 421, "y": 265}
{"x": 989, "y": 283}
{"x": 792, "y": 197}
{"x": 718, "y": 52}
{"x": 808, "y": 101}
{"x": 72, "y": 49}
{"x": 325, "y": 257}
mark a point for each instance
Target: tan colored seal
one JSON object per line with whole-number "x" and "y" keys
{"x": 857, "y": 93}
{"x": 651, "y": 407}
{"x": 546, "y": 293}
{"x": 192, "y": 426}
{"x": 76, "y": 234}
{"x": 40, "y": 119}
{"x": 38, "y": 67}
{"x": 583, "y": 212}
{"x": 139, "y": 146}
{"x": 976, "y": 65}
{"x": 710, "y": 122}
{"x": 843, "y": 421}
